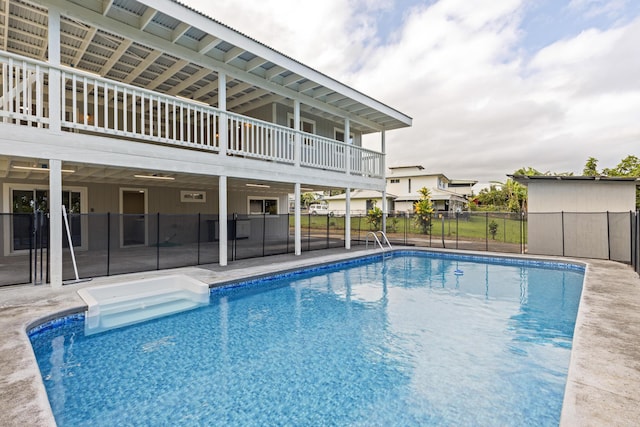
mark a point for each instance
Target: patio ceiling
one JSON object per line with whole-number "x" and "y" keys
{"x": 33, "y": 169}
{"x": 167, "y": 47}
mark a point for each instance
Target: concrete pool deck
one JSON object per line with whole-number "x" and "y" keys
{"x": 603, "y": 387}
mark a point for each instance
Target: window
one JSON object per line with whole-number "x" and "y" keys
{"x": 263, "y": 206}
{"x": 394, "y": 181}
{"x": 25, "y": 199}
{"x": 306, "y": 125}
{"x": 193, "y": 196}
{"x": 338, "y": 135}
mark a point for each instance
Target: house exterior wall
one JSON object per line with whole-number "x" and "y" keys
{"x": 581, "y": 196}
{"x": 358, "y": 206}
{"x": 412, "y": 184}
{"x": 587, "y": 219}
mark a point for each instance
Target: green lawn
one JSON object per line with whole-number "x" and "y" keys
{"x": 473, "y": 227}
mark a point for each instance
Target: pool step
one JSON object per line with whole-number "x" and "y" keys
{"x": 114, "y": 306}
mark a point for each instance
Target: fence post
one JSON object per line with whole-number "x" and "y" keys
{"x": 309, "y": 232}
{"x": 608, "y": 237}
{"x": 456, "y": 230}
{"x": 562, "y": 217}
{"x": 406, "y": 218}
{"x": 108, "y": 243}
{"x": 32, "y": 230}
{"x": 521, "y": 233}
{"x": 199, "y": 219}
{"x": 327, "y": 231}
{"x": 264, "y": 230}
{"x": 486, "y": 231}
{"x": 158, "y": 242}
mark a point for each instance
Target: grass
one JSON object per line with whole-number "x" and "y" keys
{"x": 471, "y": 227}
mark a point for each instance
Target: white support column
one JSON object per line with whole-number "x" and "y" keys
{"x": 347, "y": 140}
{"x": 55, "y": 91}
{"x": 55, "y": 222}
{"x": 297, "y": 226}
{"x": 347, "y": 219}
{"x": 222, "y": 220}
{"x": 297, "y": 153}
{"x": 384, "y": 176}
{"x": 223, "y": 129}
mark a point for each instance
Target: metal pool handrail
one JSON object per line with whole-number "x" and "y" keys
{"x": 375, "y": 236}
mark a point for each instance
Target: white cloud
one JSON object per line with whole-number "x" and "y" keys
{"x": 594, "y": 8}
{"x": 481, "y": 107}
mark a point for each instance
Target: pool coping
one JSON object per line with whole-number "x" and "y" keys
{"x": 603, "y": 385}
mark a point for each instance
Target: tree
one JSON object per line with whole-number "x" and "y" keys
{"x": 423, "y": 210}
{"x": 307, "y": 198}
{"x": 629, "y": 166}
{"x": 591, "y": 167}
{"x": 374, "y": 216}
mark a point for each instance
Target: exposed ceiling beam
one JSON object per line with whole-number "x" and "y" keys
{"x": 5, "y": 19}
{"x": 169, "y": 72}
{"x": 209, "y": 87}
{"x": 88, "y": 16}
{"x": 264, "y": 101}
{"x": 274, "y": 71}
{"x": 246, "y": 98}
{"x": 208, "y": 43}
{"x": 254, "y": 63}
{"x": 146, "y": 18}
{"x": 189, "y": 81}
{"x": 115, "y": 56}
{"x": 88, "y": 38}
{"x": 232, "y": 54}
{"x": 106, "y": 5}
{"x": 142, "y": 66}
{"x": 182, "y": 28}
{"x": 289, "y": 80}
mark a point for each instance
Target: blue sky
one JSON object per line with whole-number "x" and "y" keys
{"x": 492, "y": 85}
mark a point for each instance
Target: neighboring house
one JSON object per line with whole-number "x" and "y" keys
{"x": 361, "y": 202}
{"x": 136, "y": 107}
{"x": 581, "y": 216}
{"x": 406, "y": 181}
{"x": 463, "y": 187}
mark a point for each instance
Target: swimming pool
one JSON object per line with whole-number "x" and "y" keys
{"x": 416, "y": 339}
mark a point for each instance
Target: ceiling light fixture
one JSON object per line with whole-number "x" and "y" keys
{"x": 258, "y": 185}
{"x": 39, "y": 169}
{"x": 159, "y": 177}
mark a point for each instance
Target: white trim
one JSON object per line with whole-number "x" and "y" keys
{"x": 146, "y": 211}
{"x": 7, "y": 189}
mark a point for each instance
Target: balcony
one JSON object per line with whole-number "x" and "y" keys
{"x": 93, "y": 105}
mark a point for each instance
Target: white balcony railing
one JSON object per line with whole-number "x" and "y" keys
{"x": 92, "y": 104}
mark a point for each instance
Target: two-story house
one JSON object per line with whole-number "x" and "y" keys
{"x": 133, "y": 107}
{"x": 403, "y": 184}
{"x": 406, "y": 181}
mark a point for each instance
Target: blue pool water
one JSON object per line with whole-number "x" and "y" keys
{"x": 416, "y": 339}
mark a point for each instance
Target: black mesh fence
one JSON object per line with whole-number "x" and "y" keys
{"x": 108, "y": 244}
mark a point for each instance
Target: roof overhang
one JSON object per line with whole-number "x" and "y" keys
{"x": 168, "y": 47}
{"x": 526, "y": 179}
